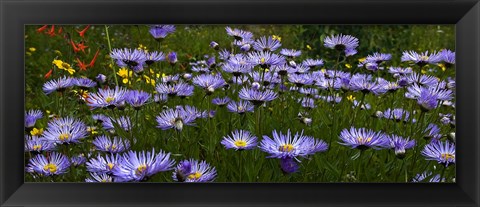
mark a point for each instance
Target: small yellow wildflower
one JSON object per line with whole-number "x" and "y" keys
{"x": 423, "y": 71}
{"x": 29, "y": 53}
{"x": 275, "y": 37}
{"x": 92, "y": 130}
{"x": 362, "y": 59}
{"x": 323, "y": 70}
{"x": 309, "y": 47}
{"x": 149, "y": 80}
{"x": 142, "y": 47}
{"x": 351, "y": 98}
{"x": 348, "y": 65}
{"x": 151, "y": 71}
{"x": 124, "y": 74}
{"x": 64, "y": 66}
{"x": 442, "y": 66}
{"x": 36, "y": 132}
{"x": 32, "y": 49}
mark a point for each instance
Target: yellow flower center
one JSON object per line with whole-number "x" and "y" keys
{"x": 114, "y": 147}
{"x": 286, "y": 148}
{"x": 448, "y": 156}
{"x": 110, "y": 165}
{"x": 109, "y": 99}
{"x": 424, "y": 58}
{"x": 262, "y": 60}
{"x": 50, "y": 167}
{"x": 240, "y": 108}
{"x": 141, "y": 169}
{"x": 64, "y": 137}
{"x": 240, "y": 143}
{"x": 195, "y": 175}
{"x": 362, "y": 140}
{"x": 37, "y": 147}
{"x": 65, "y": 65}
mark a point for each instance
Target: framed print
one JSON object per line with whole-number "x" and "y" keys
{"x": 240, "y": 103}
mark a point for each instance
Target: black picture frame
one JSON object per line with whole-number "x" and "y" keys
{"x": 465, "y": 14}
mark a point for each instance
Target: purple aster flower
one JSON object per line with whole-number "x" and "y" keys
{"x": 192, "y": 111}
{"x": 54, "y": 164}
{"x": 100, "y": 117}
{"x": 257, "y": 97}
{"x": 236, "y": 69}
{"x": 240, "y": 107}
{"x": 286, "y": 145}
{"x": 239, "y": 34}
{"x": 65, "y": 131}
{"x": 224, "y": 54}
{"x": 312, "y": 63}
{"x": 363, "y": 139}
{"x": 101, "y": 78}
{"x": 123, "y": 122}
{"x": 84, "y": 83}
{"x": 289, "y": 165}
{"x": 161, "y": 31}
{"x": 107, "y": 98}
{"x": 211, "y": 62}
{"x": 180, "y": 89}
{"x": 442, "y": 152}
{"x": 221, "y": 101}
{"x": 421, "y": 59}
{"x": 424, "y": 175}
{"x": 291, "y": 53}
{"x": 364, "y": 106}
{"x": 432, "y": 132}
{"x": 265, "y": 78}
{"x": 400, "y": 70}
{"x": 240, "y": 140}
{"x": 172, "y": 58}
{"x": 377, "y": 58}
{"x": 31, "y": 117}
{"x": 397, "y": 114}
{"x": 99, "y": 178}
{"x": 281, "y": 70}
{"x": 78, "y": 160}
{"x": 308, "y": 103}
{"x": 299, "y": 69}
{"x": 209, "y": 82}
{"x": 104, "y": 164}
{"x": 214, "y": 45}
{"x": 424, "y": 80}
{"x": 448, "y": 57}
{"x": 350, "y": 52}
{"x": 266, "y": 44}
{"x": 194, "y": 171}
{"x": 300, "y": 79}
{"x": 400, "y": 144}
{"x": 133, "y": 59}
{"x": 327, "y": 83}
{"x": 341, "y": 42}
{"x": 365, "y": 84}
{"x": 137, "y": 98}
{"x": 152, "y": 57}
{"x": 36, "y": 144}
{"x": 182, "y": 171}
{"x": 107, "y": 144}
{"x": 170, "y": 79}
{"x": 330, "y": 99}
{"x": 138, "y": 166}
{"x": 160, "y": 98}
{"x": 173, "y": 118}
{"x": 308, "y": 91}
{"x": 428, "y": 98}
{"x": 58, "y": 85}
{"x": 200, "y": 69}
{"x": 265, "y": 59}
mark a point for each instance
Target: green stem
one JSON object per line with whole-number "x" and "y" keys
{"x": 111, "y": 60}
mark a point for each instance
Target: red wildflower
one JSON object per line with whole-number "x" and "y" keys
{"x": 60, "y": 30}
{"x": 81, "y": 46}
{"x": 52, "y": 31}
{"x": 81, "y": 65}
{"x": 42, "y": 28}
{"x": 93, "y": 59}
{"x": 48, "y": 74}
{"x": 82, "y": 33}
